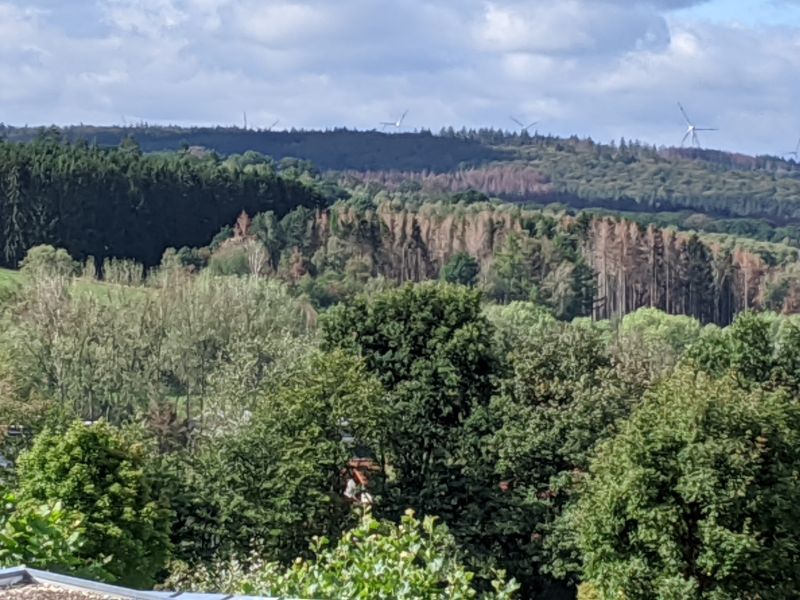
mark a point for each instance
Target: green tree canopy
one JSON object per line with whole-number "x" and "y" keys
{"x": 101, "y": 475}
{"x": 461, "y": 268}
{"x": 271, "y": 483}
{"x": 696, "y": 498}
{"x": 432, "y": 349}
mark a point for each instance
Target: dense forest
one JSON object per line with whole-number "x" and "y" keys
{"x": 204, "y": 432}
{"x": 240, "y": 374}
{"x": 601, "y": 267}
{"x": 123, "y": 203}
{"x": 720, "y": 192}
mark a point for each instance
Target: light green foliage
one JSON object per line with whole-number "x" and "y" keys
{"x": 44, "y": 260}
{"x": 671, "y": 332}
{"x": 377, "y": 559}
{"x": 46, "y": 537}
{"x": 229, "y": 260}
{"x": 745, "y": 349}
{"x": 461, "y": 268}
{"x": 101, "y": 475}
{"x": 181, "y": 344}
{"x": 519, "y": 322}
{"x": 649, "y": 342}
{"x": 274, "y": 481}
{"x": 696, "y": 497}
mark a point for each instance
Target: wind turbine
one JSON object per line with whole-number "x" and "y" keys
{"x": 795, "y": 152}
{"x": 522, "y": 125}
{"x": 396, "y": 124}
{"x": 692, "y": 130}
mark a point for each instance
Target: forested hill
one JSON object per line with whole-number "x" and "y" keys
{"x": 578, "y": 173}
{"x": 123, "y": 203}
{"x": 339, "y": 149}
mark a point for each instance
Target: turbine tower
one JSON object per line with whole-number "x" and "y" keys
{"x": 396, "y": 124}
{"x": 522, "y": 125}
{"x": 692, "y": 130}
{"x": 795, "y": 152}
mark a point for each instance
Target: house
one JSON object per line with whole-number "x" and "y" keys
{"x": 22, "y": 583}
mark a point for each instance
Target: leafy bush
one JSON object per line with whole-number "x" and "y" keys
{"x": 377, "y": 559}
{"x": 100, "y": 474}
{"x": 229, "y": 260}
{"x": 46, "y": 260}
{"x": 42, "y": 536}
{"x": 697, "y": 497}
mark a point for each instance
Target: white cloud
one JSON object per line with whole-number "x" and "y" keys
{"x": 605, "y": 68}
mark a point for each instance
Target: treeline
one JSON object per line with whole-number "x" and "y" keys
{"x": 120, "y": 202}
{"x": 601, "y": 458}
{"x": 337, "y": 149}
{"x": 583, "y": 175}
{"x": 583, "y": 265}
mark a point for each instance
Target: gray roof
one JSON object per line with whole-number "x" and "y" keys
{"x": 21, "y": 576}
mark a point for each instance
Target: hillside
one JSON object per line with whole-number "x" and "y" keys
{"x": 758, "y": 196}
{"x": 408, "y": 224}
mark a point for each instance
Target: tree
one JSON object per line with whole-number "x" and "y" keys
{"x": 47, "y": 261}
{"x": 101, "y": 474}
{"x": 432, "y": 349}
{"x": 696, "y": 497}
{"x": 376, "y": 559}
{"x": 271, "y": 483}
{"x": 562, "y": 398}
{"x": 461, "y": 268}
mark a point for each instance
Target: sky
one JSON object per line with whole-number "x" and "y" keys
{"x": 599, "y": 68}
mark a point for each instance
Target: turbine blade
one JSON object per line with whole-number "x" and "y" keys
{"x": 402, "y": 117}
{"x": 517, "y": 121}
{"x": 531, "y": 125}
{"x": 695, "y": 139}
{"x": 685, "y": 116}
{"x": 797, "y": 148}
{"x": 706, "y": 129}
{"x": 685, "y": 135}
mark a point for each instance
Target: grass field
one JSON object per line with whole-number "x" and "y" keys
{"x": 11, "y": 280}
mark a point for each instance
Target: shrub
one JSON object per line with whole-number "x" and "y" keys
{"x": 46, "y": 260}
{"x": 377, "y": 559}
{"x": 100, "y": 474}
{"x": 42, "y": 536}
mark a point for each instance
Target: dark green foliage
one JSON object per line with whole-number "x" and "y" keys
{"x": 562, "y": 399}
{"x": 432, "y": 350}
{"x": 271, "y": 484}
{"x": 461, "y": 268}
{"x": 696, "y": 497}
{"x": 118, "y": 203}
{"x": 103, "y": 477}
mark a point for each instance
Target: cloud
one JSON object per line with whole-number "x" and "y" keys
{"x": 605, "y": 68}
